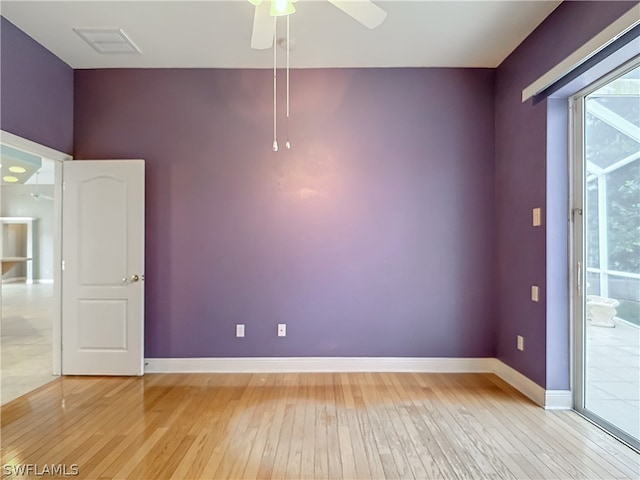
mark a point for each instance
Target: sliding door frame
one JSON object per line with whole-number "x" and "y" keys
{"x": 577, "y": 247}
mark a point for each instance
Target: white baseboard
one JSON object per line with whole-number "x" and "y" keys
{"x": 15, "y": 280}
{"x": 316, "y": 364}
{"x": 523, "y": 384}
{"x": 27, "y": 281}
{"x": 558, "y": 400}
{"x": 549, "y": 399}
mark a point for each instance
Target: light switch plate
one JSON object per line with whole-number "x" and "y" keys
{"x": 535, "y": 293}
{"x": 537, "y": 217}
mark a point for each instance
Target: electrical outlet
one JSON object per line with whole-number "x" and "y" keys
{"x": 520, "y": 342}
{"x": 282, "y": 329}
{"x": 537, "y": 217}
{"x": 535, "y": 293}
{"x": 240, "y": 330}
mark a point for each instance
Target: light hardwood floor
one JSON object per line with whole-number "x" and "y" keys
{"x": 289, "y": 426}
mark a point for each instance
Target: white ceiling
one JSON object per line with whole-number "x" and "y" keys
{"x": 216, "y": 34}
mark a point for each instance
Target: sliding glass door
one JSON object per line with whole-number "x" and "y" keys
{"x": 606, "y": 257}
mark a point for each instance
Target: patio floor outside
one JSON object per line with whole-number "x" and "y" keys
{"x": 613, "y": 374}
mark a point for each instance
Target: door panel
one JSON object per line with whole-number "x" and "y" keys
{"x": 103, "y": 262}
{"x": 104, "y": 325}
{"x": 103, "y": 259}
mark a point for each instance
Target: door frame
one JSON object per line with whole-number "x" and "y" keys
{"x": 29, "y": 146}
{"x": 577, "y": 244}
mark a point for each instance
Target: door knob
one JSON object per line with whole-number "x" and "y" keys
{"x": 133, "y": 278}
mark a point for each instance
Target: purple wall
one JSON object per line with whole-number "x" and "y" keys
{"x": 523, "y": 181}
{"x": 373, "y": 236}
{"x": 36, "y": 90}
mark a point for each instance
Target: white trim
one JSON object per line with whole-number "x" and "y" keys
{"x": 317, "y": 364}
{"x": 558, "y": 400}
{"x": 524, "y": 385}
{"x": 549, "y": 399}
{"x": 607, "y": 36}
{"x": 28, "y": 146}
{"x": 28, "y": 282}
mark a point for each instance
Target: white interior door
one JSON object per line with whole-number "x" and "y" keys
{"x": 103, "y": 267}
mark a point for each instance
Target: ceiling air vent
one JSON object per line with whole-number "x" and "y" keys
{"x": 107, "y": 40}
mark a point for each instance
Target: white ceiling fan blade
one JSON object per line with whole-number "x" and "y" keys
{"x": 364, "y": 11}
{"x": 262, "y": 36}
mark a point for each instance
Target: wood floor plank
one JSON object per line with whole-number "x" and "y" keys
{"x": 372, "y": 454}
{"x": 474, "y": 424}
{"x": 294, "y": 457}
{"x": 193, "y": 452}
{"x": 289, "y": 426}
{"x": 409, "y": 448}
{"x": 360, "y": 454}
{"x": 307, "y": 454}
{"x": 87, "y": 420}
{"x": 334, "y": 404}
{"x": 557, "y": 443}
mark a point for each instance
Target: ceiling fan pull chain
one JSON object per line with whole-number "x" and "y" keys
{"x": 275, "y": 138}
{"x": 288, "y": 143}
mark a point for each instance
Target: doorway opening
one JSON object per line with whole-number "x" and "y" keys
{"x": 30, "y": 220}
{"x": 607, "y": 252}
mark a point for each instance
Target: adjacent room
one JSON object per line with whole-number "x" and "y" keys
{"x": 320, "y": 239}
{"x": 28, "y": 305}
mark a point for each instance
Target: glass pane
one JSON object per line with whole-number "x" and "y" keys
{"x": 593, "y": 283}
{"x": 620, "y": 106}
{"x": 623, "y": 221}
{"x": 627, "y": 292}
{"x": 593, "y": 242}
{"x": 606, "y": 144}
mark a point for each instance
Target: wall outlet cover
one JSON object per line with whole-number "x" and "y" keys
{"x": 240, "y": 330}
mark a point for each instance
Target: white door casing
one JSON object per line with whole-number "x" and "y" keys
{"x": 103, "y": 267}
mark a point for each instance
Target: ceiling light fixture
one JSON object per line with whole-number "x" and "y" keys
{"x": 279, "y": 8}
{"x": 15, "y": 169}
{"x": 10, "y": 179}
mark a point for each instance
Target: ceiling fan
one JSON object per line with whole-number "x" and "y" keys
{"x": 364, "y": 11}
